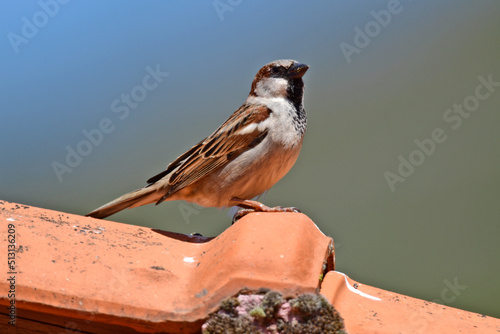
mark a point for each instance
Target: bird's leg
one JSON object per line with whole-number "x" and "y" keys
{"x": 254, "y": 206}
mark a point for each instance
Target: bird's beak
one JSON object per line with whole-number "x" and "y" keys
{"x": 297, "y": 70}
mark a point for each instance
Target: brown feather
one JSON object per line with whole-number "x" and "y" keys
{"x": 217, "y": 149}
{"x": 132, "y": 199}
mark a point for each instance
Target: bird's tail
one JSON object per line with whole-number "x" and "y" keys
{"x": 133, "y": 199}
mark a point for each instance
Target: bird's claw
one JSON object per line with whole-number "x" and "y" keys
{"x": 285, "y": 209}
{"x": 243, "y": 212}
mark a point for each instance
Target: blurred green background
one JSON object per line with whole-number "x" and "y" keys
{"x": 369, "y": 96}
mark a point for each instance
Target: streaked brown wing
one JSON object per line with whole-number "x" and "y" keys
{"x": 225, "y": 144}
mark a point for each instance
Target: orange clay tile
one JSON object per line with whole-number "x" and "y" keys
{"x": 79, "y": 273}
{"x": 370, "y": 310}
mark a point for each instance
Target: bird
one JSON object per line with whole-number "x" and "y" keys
{"x": 251, "y": 151}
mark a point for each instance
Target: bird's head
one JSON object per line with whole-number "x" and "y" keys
{"x": 280, "y": 79}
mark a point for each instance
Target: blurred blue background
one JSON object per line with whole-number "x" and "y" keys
{"x": 382, "y": 75}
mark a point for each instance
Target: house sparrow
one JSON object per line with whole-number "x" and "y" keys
{"x": 251, "y": 151}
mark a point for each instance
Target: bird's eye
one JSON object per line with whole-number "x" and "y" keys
{"x": 275, "y": 70}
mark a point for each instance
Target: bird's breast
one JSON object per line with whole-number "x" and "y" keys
{"x": 283, "y": 125}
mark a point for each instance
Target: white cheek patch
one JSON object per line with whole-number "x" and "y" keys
{"x": 271, "y": 87}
